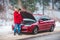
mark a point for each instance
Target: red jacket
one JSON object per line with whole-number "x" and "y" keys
{"x": 17, "y": 17}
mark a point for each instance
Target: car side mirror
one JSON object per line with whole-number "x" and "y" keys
{"x": 40, "y": 21}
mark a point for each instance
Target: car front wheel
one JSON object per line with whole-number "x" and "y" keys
{"x": 35, "y": 31}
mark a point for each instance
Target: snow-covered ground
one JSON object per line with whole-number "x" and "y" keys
{"x": 6, "y": 28}
{"x": 57, "y": 28}
{"x": 57, "y": 23}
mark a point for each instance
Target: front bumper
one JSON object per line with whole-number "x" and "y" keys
{"x": 27, "y": 29}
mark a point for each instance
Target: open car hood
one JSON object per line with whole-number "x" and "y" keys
{"x": 27, "y": 15}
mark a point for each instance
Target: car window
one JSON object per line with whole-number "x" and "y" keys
{"x": 45, "y": 18}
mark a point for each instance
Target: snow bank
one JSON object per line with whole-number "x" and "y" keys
{"x": 57, "y": 23}
{"x": 57, "y": 27}
{"x": 6, "y": 28}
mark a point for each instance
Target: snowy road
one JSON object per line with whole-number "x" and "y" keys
{"x": 55, "y": 36}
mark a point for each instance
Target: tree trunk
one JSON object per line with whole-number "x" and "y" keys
{"x": 19, "y": 4}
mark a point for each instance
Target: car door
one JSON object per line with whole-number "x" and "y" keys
{"x": 47, "y": 22}
{"x": 42, "y": 24}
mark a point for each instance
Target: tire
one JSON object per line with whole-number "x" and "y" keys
{"x": 35, "y": 31}
{"x": 51, "y": 29}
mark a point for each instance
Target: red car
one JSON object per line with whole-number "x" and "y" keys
{"x": 34, "y": 24}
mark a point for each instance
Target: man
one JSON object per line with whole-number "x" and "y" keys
{"x": 17, "y": 20}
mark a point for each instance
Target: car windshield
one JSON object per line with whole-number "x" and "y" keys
{"x": 37, "y": 17}
{"x": 28, "y": 21}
